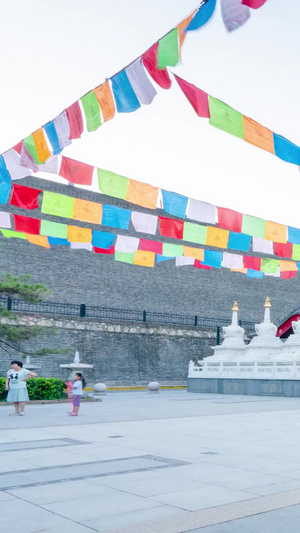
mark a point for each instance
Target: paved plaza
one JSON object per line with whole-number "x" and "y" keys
{"x": 141, "y": 462}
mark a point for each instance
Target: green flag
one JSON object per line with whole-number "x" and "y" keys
{"x": 125, "y": 257}
{"x": 30, "y": 145}
{"x": 92, "y": 111}
{"x": 172, "y": 250}
{"x": 8, "y": 233}
{"x": 254, "y": 226}
{"x": 194, "y": 232}
{"x": 225, "y": 118}
{"x": 270, "y": 266}
{"x": 168, "y": 50}
{"x": 296, "y": 252}
{"x": 112, "y": 184}
{"x": 54, "y": 229}
{"x": 58, "y": 205}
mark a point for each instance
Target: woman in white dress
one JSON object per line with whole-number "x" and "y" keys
{"x": 16, "y": 386}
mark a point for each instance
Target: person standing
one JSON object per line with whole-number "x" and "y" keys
{"x": 16, "y": 386}
{"x": 77, "y": 389}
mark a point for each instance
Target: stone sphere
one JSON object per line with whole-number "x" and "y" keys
{"x": 153, "y": 386}
{"x": 99, "y": 387}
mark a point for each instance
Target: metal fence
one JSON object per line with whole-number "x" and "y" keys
{"x": 111, "y": 313}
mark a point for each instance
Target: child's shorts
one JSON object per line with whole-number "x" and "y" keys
{"x": 76, "y": 400}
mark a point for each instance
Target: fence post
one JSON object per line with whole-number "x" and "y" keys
{"x": 9, "y": 303}
{"x": 196, "y": 320}
{"x": 218, "y": 335}
{"x": 82, "y": 310}
{"x": 144, "y": 316}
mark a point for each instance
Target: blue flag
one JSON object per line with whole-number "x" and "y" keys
{"x": 125, "y": 97}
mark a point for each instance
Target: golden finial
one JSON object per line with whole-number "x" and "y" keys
{"x": 267, "y": 302}
{"x": 235, "y": 307}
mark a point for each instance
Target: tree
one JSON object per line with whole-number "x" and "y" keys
{"x": 11, "y": 333}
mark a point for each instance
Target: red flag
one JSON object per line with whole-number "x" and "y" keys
{"x": 106, "y": 251}
{"x": 24, "y": 197}
{"x": 228, "y": 219}
{"x": 18, "y": 147}
{"x": 198, "y": 264}
{"x": 75, "y": 120}
{"x": 197, "y": 98}
{"x": 169, "y": 227}
{"x": 254, "y": 4}
{"x": 151, "y": 246}
{"x": 27, "y": 224}
{"x": 252, "y": 262}
{"x": 283, "y": 250}
{"x": 75, "y": 171}
{"x": 288, "y": 275}
{"x": 161, "y": 77}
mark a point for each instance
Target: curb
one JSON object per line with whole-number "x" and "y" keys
{"x": 33, "y": 402}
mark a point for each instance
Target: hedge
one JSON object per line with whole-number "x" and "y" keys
{"x": 40, "y": 389}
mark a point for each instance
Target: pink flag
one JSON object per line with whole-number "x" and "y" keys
{"x": 26, "y": 159}
{"x": 75, "y": 120}
{"x": 234, "y": 14}
{"x": 161, "y": 77}
{"x": 75, "y": 171}
{"x": 254, "y": 4}
{"x": 197, "y": 98}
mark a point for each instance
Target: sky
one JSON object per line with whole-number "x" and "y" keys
{"x": 53, "y": 52}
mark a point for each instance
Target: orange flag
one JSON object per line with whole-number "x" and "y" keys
{"x": 143, "y": 258}
{"x": 276, "y": 232}
{"x": 76, "y": 234}
{"x": 39, "y": 240}
{"x": 217, "y": 237}
{"x": 182, "y": 26}
{"x": 40, "y": 142}
{"x": 287, "y": 266}
{"x": 255, "y": 133}
{"x": 87, "y": 211}
{"x": 197, "y": 253}
{"x": 142, "y": 194}
{"x": 105, "y": 100}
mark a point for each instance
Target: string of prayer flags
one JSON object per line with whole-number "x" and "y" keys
{"x": 74, "y": 116}
{"x": 87, "y": 211}
{"x": 57, "y": 204}
{"x": 106, "y": 101}
{"x": 239, "y": 241}
{"x": 171, "y": 228}
{"x": 197, "y": 98}
{"x": 144, "y": 258}
{"x": 140, "y": 83}
{"x": 203, "y": 15}
{"x": 13, "y": 165}
{"x": 24, "y": 197}
{"x": 117, "y": 217}
{"x": 101, "y": 239}
{"x": 142, "y": 194}
{"x": 168, "y": 50}
{"x": 75, "y": 171}
{"x": 27, "y": 224}
{"x": 91, "y": 111}
{"x": 234, "y": 14}
{"x": 125, "y": 97}
{"x": 112, "y": 184}
{"x": 161, "y": 77}
{"x": 228, "y": 219}
{"x": 144, "y": 223}
{"x": 174, "y": 203}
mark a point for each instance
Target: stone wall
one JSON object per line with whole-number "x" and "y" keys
{"x": 122, "y": 353}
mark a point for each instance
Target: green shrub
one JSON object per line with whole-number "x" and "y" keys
{"x": 40, "y": 389}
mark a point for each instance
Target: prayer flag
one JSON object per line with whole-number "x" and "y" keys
{"x": 172, "y": 250}
{"x": 50, "y": 166}
{"x": 39, "y": 240}
{"x": 75, "y": 171}
{"x": 254, "y": 274}
{"x": 8, "y": 233}
{"x": 234, "y": 14}
{"x": 144, "y": 223}
{"x": 225, "y": 118}
{"x": 203, "y": 15}
{"x": 240, "y": 270}
{"x": 197, "y": 98}
{"x": 296, "y": 252}
{"x": 102, "y": 239}
{"x": 286, "y": 150}
{"x": 5, "y": 181}
{"x": 27, "y": 224}
{"x": 253, "y": 226}
{"x": 269, "y": 265}
{"x": 142, "y": 194}
{"x": 13, "y": 165}
{"x": 31, "y": 148}
{"x": 105, "y": 251}
{"x": 174, "y": 203}
{"x": 87, "y": 211}
{"x": 81, "y": 246}
{"x": 183, "y": 26}
{"x": 202, "y": 211}
{"x": 194, "y": 233}
{"x": 254, "y": 4}
{"x": 43, "y": 152}
{"x": 140, "y": 83}
{"x": 293, "y": 235}
{"x": 283, "y": 250}
{"x": 5, "y": 220}
{"x": 26, "y": 159}
{"x": 126, "y": 244}
{"x": 196, "y": 253}
{"x": 74, "y": 116}
{"x": 232, "y": 260}
{"x": 198, "y": 264}
{"x": 262, "y": 245}
{"x": 258, "y": 135}
{"x": 106, "y": 101}
{"x": 276, "y": 232}
{"x": 125, "y": 97}
{"x": 58, "y": 205}
{"x": 112, "y": 184}
{"x": 168, "y": 50}
{"x": 151, "y": 246}
{"x": 171, "y": 228}
{"x": 228, "y": 219}
{"x": 144, "y": 258}
{"x": 77, "y": 234}
{"x": 92, "y": 111}
{"x": 161, "y": 258}
{"x": 62, "y": 127}
{"x": 56, "y": 241}
{"x": 124, "y": 257}
{"x": 183, "y": 261}
{"x": 116, "y": 217}
{"x": 52, "y": 136}
{"x": 24, "y": 197}
{"x": 253, "y": 263}
{"x": 161, "y": 77}
{"x": 213, "y": 259}
{"x": 239, "y": 241}
{"x": 288, "y": 275}
{"x": 287, "y": 266}
{"x": 217, "y": 237}
{"x": 54, "y": 229}
{"x": 18, "y": 147}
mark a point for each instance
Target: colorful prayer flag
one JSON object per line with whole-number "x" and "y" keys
{"x": 106, "y": 101}
{"x": 5, "y": 220}
{"x": 87, "y": 211}
{"x": 161, "y": 77}
{"x": 75, "y": 120}
{"x": 194, "y": 233}
{"x": 112, "y": 184}
{"x": 92, "y": 111}
{"x": 225, "y": 118}
{"x": 105, "y": 251}
{"x": 228, "y": 219}
{"x": 77, "y": 234}
{"x": 172, "y": 250}
{"x": 171, "y": 228}
{"x": 31, "y": 148}
{"x": 102, "y": 239}
{"x": 202, "y": 211}
{"x": 253, "y": 263}
{"x": 239, "y": 241}
{"x": 258, "y": 135}
{"x": 24, "y": 197}
{"x": 234, "y": 14}
{"x": 144, "y": 223}
{"x": 254, "y": 4}
{"x": 276, "y": 232}
{"x": 140, "y": 83}
{"x": 203, "y": 15}
{"x": 144, "y": 258}
{"x": 124, "y": 257}
{"x": 54, "y": 229}
{"x": 197, "y": 98}
{"x": 52, "y": 136}
{"x": 286, "y": 150}
{"x": 62, "y": 127}
{"x": 38, "y": 240}
{"x": 75, "y": 171}
{"x": 287, "y": 266}
{"x": 196, "y": 253}
{"x": 174, "y": 204}
{"x": 58, "y": 205}
{"x": 254, "y": 226}
{"x": 293, "y": 235}
{"x": 142, "y": 194}
{"x": 125, "y": 97}
{"x": 43, "y": 152}
{"x": 262, "y": 245}
{"x": 168, "y": 50}
{"x": 126, "y": 244}
{"x": 13, "y": 165}
{"x": 283, "y": 250}
{"x": 151, "y": 246}
{"x": 213, "y": 259}
{"x": 269, "y": 265}
{"x": 217, "y": 237}
{"x": 27, "y": 224}
{"x": 116, "y": 217}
